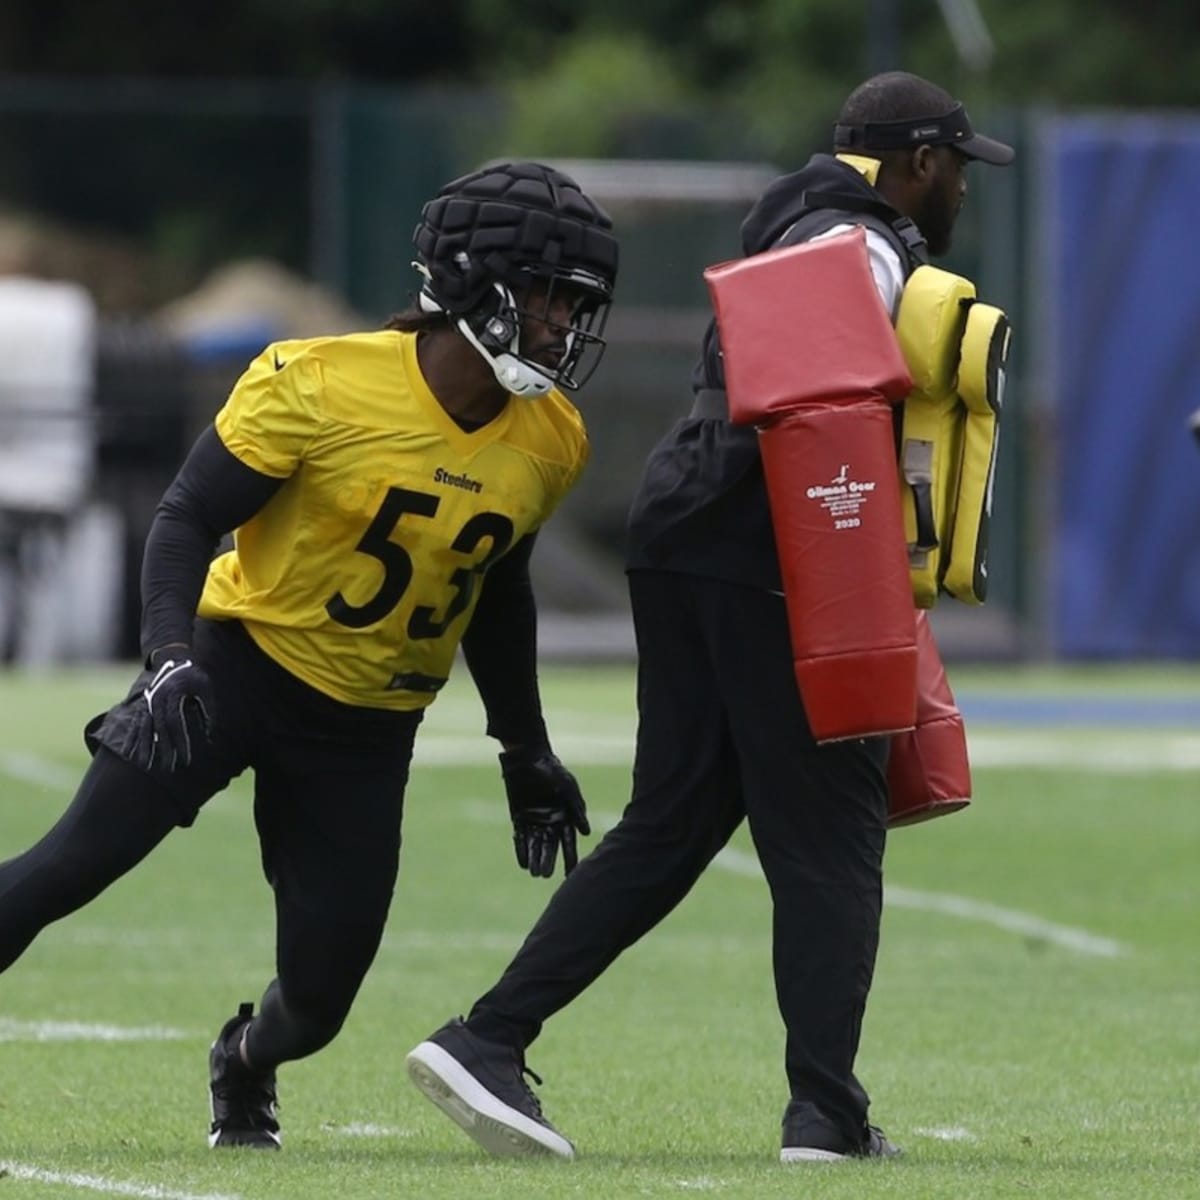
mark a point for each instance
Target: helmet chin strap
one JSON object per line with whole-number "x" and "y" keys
{"x": 512, "y": 373}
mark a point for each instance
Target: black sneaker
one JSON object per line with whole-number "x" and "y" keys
{"x": 243, "y": 1101}
{"x": 481, "y": 1085}
{"x": 810, "y": 1136}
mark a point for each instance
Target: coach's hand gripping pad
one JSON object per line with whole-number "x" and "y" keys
{"x": 985, "y": 345}
{"x": 804, "y": 324}
{"x": 929, "y": 774}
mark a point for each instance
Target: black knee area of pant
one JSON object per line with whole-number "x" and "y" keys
{"x": 290, "y": 1027}
{"x": 321, "y": 967}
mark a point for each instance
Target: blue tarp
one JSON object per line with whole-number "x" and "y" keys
{"x": 1122, "y": 216}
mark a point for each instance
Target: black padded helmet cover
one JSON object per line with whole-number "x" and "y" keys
{"x": 507, "y": 222}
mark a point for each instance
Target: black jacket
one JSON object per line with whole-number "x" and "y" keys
{"x": 701, "y": 508}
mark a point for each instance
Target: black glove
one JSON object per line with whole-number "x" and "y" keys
{"x": 171, "y": 717}
{"x": 547, "y": 809}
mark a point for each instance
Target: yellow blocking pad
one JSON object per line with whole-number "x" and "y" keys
{"x": 956, "y": 350}
{"x": 985, "y": 345}
{"x": 930, "y": 326}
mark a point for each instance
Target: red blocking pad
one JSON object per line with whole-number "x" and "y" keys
{"x": 835, "y": 505}
{"x": 804, "y": 324}
{"x": 929, "y": 773}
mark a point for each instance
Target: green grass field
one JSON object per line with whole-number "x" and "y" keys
{"x": 1033, "y": 1030}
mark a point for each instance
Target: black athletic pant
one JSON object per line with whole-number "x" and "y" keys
{"x": 722, "y": 736}
{"x": 329, "y": 785}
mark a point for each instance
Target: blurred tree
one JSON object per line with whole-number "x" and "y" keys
{"x": 755, "y": 79}
{"x": 778, "y": 69}
{"x": 559, "y": 111}
{"x": 767, "y": 60}
{"x": 396, "y": 40}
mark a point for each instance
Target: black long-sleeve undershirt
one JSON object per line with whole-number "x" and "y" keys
{"x": 215, "y": 492}
{"x": 500, "y": 647}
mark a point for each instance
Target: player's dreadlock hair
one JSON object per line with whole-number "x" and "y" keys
{"x": 416, "y": 320}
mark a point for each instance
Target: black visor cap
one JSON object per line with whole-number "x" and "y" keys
{"x": 950, "y": 129}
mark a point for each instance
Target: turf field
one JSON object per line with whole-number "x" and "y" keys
{"x": 1033, "y": 1029}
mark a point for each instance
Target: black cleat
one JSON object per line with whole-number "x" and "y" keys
{"x": 810, "y": 1136}
{"x": 481, "y": 1085}
{"x": 243, "y": 1101}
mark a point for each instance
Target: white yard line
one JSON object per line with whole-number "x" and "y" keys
{"x": 949, "y": 1133}
{"x": 947, "y": 904}
{"x": 435, "y": 749}
{"x": 1134, "y": 754}
{"x": 1072, "y": 750}
{"x": 1011, "y": 920}
{"x": 1057, "y": 750}
{"x": 32, "y": 768}
{"x": 1106, "y": 752}
{"x": 79, "y": 1031}
{"x": 408, "y": 941}
{"x": 365, "y": 1129}
{"x": 97, "y": 1183}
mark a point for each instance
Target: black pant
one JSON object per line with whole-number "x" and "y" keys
{"x": 329, "y": 785}
{"x": 722, "y": 735}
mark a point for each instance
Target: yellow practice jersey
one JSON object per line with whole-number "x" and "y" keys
{"x": 361, "y": 573}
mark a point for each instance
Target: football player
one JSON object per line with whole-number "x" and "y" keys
{"x": 384, "y": 490}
